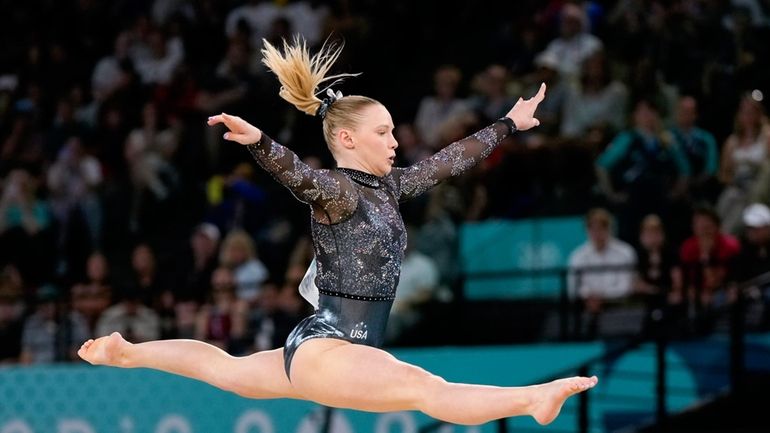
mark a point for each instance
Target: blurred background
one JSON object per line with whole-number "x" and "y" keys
{"x": 628, "y": 236}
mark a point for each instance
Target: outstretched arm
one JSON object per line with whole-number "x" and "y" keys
{"x": 466, "y": 153}
{"x": 320, "y": 188}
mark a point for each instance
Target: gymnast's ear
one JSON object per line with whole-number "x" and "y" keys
{"x": 345, "y": 138}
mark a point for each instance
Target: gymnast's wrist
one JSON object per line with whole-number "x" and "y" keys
{"x": 509, "y": 123}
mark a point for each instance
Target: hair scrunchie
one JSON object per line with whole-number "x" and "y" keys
{"x": 331, "y": 97}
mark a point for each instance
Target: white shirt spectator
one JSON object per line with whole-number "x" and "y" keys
{"x": 571, "y": 52}
{"x": 139, "y": 323}
{"x": 610, "y": 284}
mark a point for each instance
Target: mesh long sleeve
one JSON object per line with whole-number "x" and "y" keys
{"x": 329, "y": 192}
{"x": 452, "y": 160}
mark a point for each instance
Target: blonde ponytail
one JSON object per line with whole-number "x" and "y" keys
{"x": 300, "y": 74}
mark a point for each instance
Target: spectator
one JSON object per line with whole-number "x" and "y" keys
{"x": 148, "y": 152}
{"x": 136, "y": 322}
{"x": 158, "y": 64}
{"x": 26, "y": 228}
{"x": 73, "y": 182}
{"x": 701, "y": 150}
{"x": 574, "y": 43}
{"x": 705, "y": 258}
{"x": 745, "y": 161}
{"x": 642, "y": 170}
{"x": 239, "y": 254}
{"x": 596, "y": 103}
{"x": 754, "y": 258}
{"x": 222, "y": 319}
{"x": 106, "y": 75}
{"x": 601, "y": 270}
{"x": 93, "y": 295}
{"x": 490, "y": 100}
{"x": 200, "y": 260}
{"x": 657, "y": 271}
{"x": 441, "y": 107}
{"x": 52, "y": 333}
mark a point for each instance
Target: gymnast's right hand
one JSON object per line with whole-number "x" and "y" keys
{"x": 240, "y": 131}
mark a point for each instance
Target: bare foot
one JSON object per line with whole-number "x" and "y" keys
{"x": 104, "y": 350}
{"x": 551, "y": 396}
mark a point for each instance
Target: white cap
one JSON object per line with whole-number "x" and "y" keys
{"x": 756, "y": 215}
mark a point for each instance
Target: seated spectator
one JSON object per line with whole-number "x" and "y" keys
{"x": 705, "y": 259}
{"x": 198, "y": 263}
{"x": 700, "y": 148}
{"x": 135, "y": 321}
{"x": 643, "y": 171}
{"x": 745, "y": 163}
{"x": 489, "y": 100}
{"x": 601, "y": 270}
{"x": 155, "y": 286}
{"x": 575, "y": 43}
{"x": 754, "y": 257}
{"x": 417, "y": 285}
{"x": 222, "y": 320}
{"x": 657, "y": 270}
{"x": 51, "y": 333}
{"x": 436, "y": 109}
{"x": 73, "y": 184}
{"x": 26, "y": 228}
{"x": 94, "y": 294}
{"x": 239, "y": 253}
{"x": 596, "y": 103}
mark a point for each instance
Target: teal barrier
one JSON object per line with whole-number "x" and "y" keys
{"x": 86, "y": 399}
{"x": 500, "y": 246}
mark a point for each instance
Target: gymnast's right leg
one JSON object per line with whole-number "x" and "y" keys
{"x": 260, "y": 375}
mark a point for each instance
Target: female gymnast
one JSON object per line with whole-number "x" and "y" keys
{"x": 333, "y": 357}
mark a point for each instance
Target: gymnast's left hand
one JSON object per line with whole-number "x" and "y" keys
{"x": 524, "y": 111}
{"x": 240, "y": 131}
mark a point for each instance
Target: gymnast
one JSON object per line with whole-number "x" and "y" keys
{"x": 333, "y": 357}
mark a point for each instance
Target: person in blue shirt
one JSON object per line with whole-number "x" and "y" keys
{"x": 643, "y": 170}
{"x": 700, "y": 148}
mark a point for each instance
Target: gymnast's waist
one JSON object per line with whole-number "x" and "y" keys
{"x": 359, "y": 320}
{"x": 355, "y": 296}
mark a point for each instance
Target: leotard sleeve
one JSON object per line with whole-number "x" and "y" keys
{"x": 452, "y": 160}
{"x": 330, "y": 194}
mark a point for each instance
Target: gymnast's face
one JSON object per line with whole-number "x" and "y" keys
{"x": 372, "y": 140}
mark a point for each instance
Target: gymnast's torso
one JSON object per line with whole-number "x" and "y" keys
{"x": 358, "y": 233}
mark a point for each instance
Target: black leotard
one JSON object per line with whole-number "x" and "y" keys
{"x": 358, "y": 233}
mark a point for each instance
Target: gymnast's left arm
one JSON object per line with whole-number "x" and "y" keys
{"x": 461, "y": 155}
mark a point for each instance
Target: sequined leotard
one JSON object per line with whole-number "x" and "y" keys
{"x": 358, "y": 233}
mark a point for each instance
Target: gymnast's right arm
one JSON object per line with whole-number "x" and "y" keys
{"x": 321, "y": 188}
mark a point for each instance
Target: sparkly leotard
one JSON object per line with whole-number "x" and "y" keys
{"x": 358, "y": 233}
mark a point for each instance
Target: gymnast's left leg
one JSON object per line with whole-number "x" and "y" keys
{"x": 340, "y": 374}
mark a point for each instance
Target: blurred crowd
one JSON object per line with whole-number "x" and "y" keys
{"x": 120, "y": 210}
